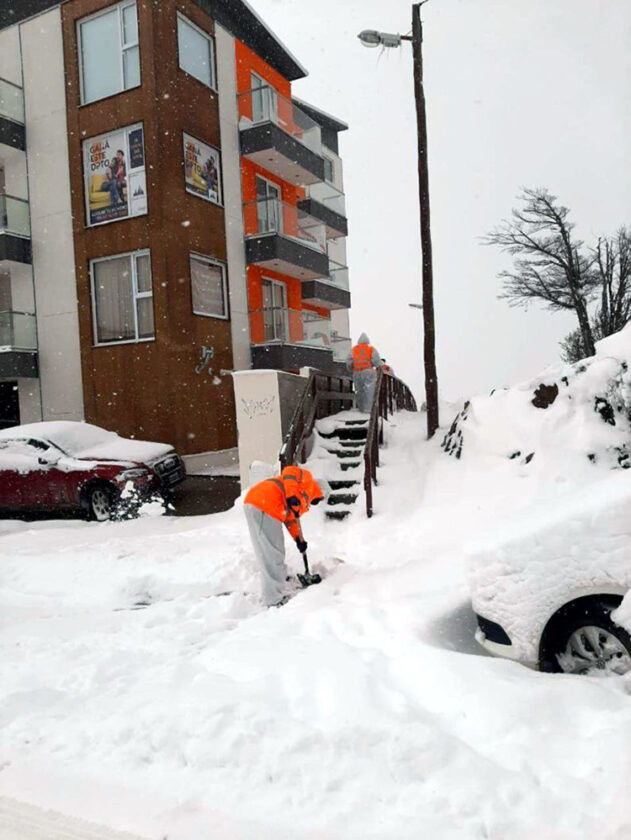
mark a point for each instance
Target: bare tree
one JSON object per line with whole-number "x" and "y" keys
{"x": 612, "y": 271}
{"x": 550, "y": 265}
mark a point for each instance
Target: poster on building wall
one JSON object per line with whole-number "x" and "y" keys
{"x": 202, "y": 169}
{"x": 115, "y": 184}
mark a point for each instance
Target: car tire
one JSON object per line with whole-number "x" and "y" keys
{"x": 587, "y": 641}
{"x": 101, "y": 503}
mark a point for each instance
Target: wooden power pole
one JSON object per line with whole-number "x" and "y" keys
{"x": 429, "y": 330}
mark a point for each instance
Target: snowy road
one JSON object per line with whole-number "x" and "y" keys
{"x": 362, "y": 710}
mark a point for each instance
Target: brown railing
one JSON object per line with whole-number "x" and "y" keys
{"x": 390, "y": 395}
{"x": 323, "y": 395}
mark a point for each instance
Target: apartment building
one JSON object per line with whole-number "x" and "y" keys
{"x": 169, "y": 213}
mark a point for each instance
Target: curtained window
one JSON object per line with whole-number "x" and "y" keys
{"x": 208, "y": 287}
{"x": 122, "y": 298}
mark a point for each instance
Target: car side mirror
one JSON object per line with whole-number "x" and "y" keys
{"x": 48, "y": 461}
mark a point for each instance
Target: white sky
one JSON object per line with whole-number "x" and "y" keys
{"x": 519, "y": 92}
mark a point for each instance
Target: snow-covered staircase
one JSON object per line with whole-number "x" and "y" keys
{"x": 344, "y": 439}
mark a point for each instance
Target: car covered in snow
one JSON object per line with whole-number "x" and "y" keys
{"x": 70, "y": 466}
{"x": 546, "y": 586}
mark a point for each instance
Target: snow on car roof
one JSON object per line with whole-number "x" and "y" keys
{"x": 69, "y": 435}
{"x": 83, "y": 440}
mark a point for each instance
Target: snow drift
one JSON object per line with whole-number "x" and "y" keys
{"x": 574, "y": 414}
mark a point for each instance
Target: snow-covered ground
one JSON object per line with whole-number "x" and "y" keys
{"x": 361, "y": 709}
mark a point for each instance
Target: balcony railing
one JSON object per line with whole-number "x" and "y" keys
{"x": 14, "y": 216}
{"x": 328, "y": 195}
{"x": 338, "y": 275}
{"x": 341, "y": 347}
{"x": 11, "y": 102}
{"x": 264, "y": 104}
{"x": 271, "y": 215}
{"x": 17, "y": 331}
{"x": 279, "y": 325}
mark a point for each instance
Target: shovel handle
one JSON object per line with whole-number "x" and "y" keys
{"x": 304, "y": 557}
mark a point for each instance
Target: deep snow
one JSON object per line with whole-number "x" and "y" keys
{"x": 361, "y": 709}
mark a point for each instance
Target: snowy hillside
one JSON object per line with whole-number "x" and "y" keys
{"x": 570, "y": 415}
{"x": 145, "y": 687}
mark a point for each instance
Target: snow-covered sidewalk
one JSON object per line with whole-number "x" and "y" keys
{"x": 145, "y": 688}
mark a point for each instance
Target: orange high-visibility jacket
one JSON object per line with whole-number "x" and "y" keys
{"x": 362, "y": 357}
{"x": 271, "y": 496}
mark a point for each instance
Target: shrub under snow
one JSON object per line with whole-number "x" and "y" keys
{"x": 580, "y": 411}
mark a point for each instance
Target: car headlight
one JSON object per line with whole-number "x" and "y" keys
{"x": 131, "y": 475}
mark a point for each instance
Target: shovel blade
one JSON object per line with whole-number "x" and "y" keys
{"x": 309, "y": 580}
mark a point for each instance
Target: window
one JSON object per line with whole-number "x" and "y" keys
{"x": 197, "y": 51}
{"x": 268, "y": 206}
{"x": 264, "y": 100}
{"x": 328, "y": 169}
{"x": 208, "y": 287}
{"x": 122, "y": 298}
{"x": 202, "y": 170}
{"x": 114, "y": 168}
{"x": 275, "y": 312}
{"x": 109, "y": 52}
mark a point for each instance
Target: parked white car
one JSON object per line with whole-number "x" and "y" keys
{"x": 544, "y": 585}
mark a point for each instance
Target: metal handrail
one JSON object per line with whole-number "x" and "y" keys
{"x": 323, "y": 396}
{"x": 391, "y": 394}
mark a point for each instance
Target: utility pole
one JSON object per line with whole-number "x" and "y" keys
{"x": 429, "y": 330}
{"x": 374, "y": 38}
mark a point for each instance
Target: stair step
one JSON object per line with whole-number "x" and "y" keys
{"x": 340, "y": 484}
{"x": 351, "y": 433}
{"x": 347, "y": 443}
{"x": 356, "y": 422}
{"x": 342, "y": 499}
{"x": 337, "y": 514}
{"x": 342, "y": 453}
{"x": 348, "y": 465}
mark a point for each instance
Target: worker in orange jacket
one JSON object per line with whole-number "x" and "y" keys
{"x": 363, "y": 361}
{"x": 269, "y": 505}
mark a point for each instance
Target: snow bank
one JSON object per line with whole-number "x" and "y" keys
{"x": 569, "y": 416}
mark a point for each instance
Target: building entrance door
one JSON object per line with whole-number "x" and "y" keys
{"x": 9, "y": 405}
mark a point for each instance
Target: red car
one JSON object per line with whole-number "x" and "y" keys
{"x": 63, "y": 465}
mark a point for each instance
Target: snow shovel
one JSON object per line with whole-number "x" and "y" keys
{"x": 308, "y": 579}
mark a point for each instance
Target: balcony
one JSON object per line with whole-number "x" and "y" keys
{"x": 12, "y": 116}
{"x": 15, "y": 229}
{"x": 18, "y": 345}
{"x": 325, "y": 202}
{"x": 283, "y": 238}
{"x": 331, "y": 292}
{"x": 279, "y": 136}
{"x": 288, "y": 339}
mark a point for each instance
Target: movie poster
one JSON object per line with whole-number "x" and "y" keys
{"x": 202, "y": 169}
{"x": 115, "y": 175}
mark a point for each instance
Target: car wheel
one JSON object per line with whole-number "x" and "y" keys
{"x": 100, "y": 503}
{"x": 589, "y": 642}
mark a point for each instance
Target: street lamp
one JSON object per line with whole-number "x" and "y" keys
{"x": 373, "y": 38}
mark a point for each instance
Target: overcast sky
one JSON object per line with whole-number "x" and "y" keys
{"x": 519, "y": 92}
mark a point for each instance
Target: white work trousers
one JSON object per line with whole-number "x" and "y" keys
{"x": 364, "y": 382}
{"x": 269, "y": 547}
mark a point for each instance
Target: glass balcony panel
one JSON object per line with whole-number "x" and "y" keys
{"x": 341, "y": 347}
{"x": 264, "y": 104}
{"x": 338, "y": 275}
{"x": 14, "y": 216}
{"x": 328, "y": 195}
{"x": 271, "y": 215}
{"x": 11, "y": 102}
{"x": 17, "y": 331}
{"x": 280, "y": 325}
